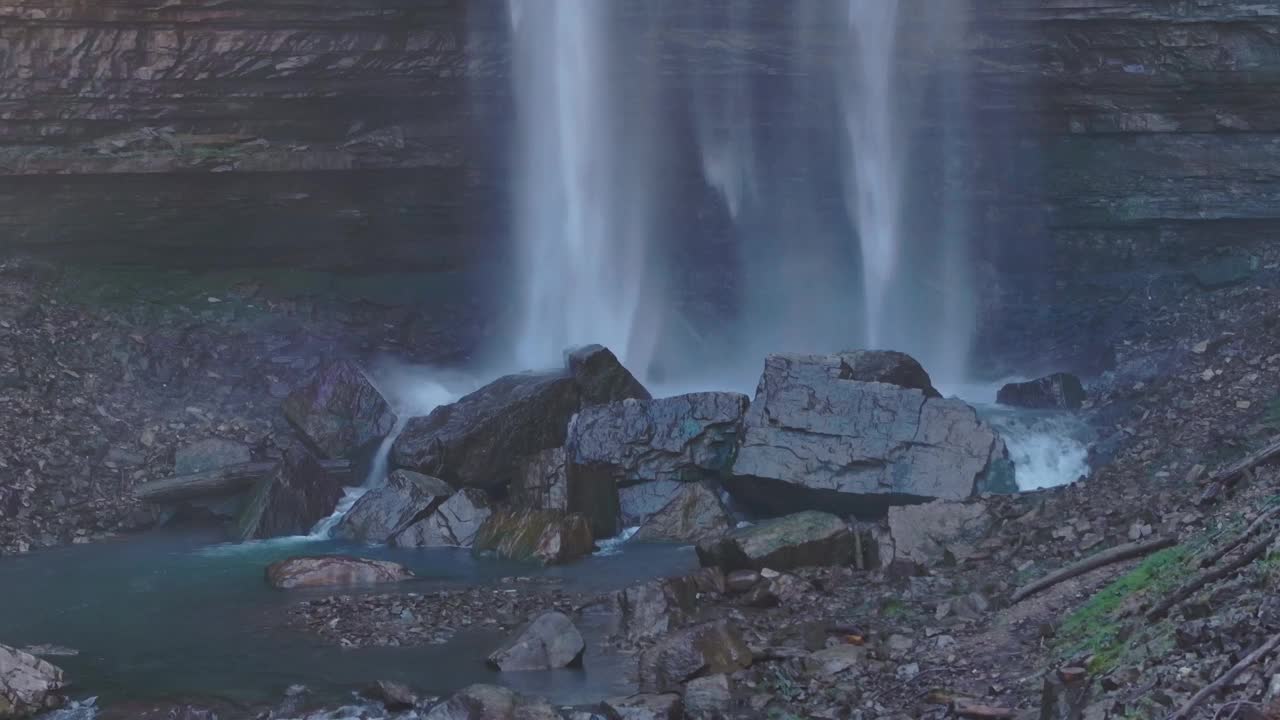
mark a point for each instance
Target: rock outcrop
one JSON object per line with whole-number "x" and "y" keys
{"x": 480, "y": 440}
{"x": 28, "y": 685}
{"x": 339, "y": 411}
{"x": 453, "y": 524}
{"x": 492, "y": 702}
{"x": 814, "y": 438}
{"x": 299, "y": 494}
{"x": 541, "y": 483}
{"x": 648, "y": 449}
{"x": 706, "y": 649}
{"x": 694, "y": 515}
{"x": 1060, "y": 391}
{"x": 333, "y": 571}
{"x": 806, "y": 538}
{"x": 382, "y": 512}
{"x": 551, "y": 537}
{"x": 549, "y": 642}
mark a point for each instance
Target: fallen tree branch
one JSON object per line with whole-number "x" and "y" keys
{"x": 1251, "y": 553}
{"x": 1240, "y": 539}
{"x": 1230, "y": 474}
{"x": 1106, "y": 557}
{"x": 222, "y": 481}
{"x": 1218, "y": 685}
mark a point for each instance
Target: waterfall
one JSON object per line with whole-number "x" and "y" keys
{"x": 583, "y": 185}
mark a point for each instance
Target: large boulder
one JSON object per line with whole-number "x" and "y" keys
{"x": 549, "y": 642}
{"x": 1060, "y": 391}
{"x": 803, "y": 539}
{"x": 333, "y": 571}
{"x": 480, "y": 440}
{"x": 694, "y": 515}
{"x": 290, "y": 501}
{"x": 707, "y": 649}
{"x": 382, "y": 512}
{"x": 453, "y": 524}
{"x": 28, "y": 685}
{"x": 540, "y": 483}
{"x": 816, "y": 439}
{"x": 935, "y": 533}
{"x": 656, "y": 607}
{"x": 339, "y": 411}
{"x": 491, "y": 702}
{"x": 886, "y": 366}
{"x": 651, "y": 446}
{"x": 551, "y": 537}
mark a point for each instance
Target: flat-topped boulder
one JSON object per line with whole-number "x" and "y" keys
{"x": 454, "y": 523}
{"x": 804, "y": 539}
{"x": 480, "y": 440}
{"x": 551, "y": 537}
{"x": 384, "y": 511}
{"x": 644, "y": 451}
{"x": 339, "y": 411}
{"x": 333, "y": 571}
{"x": 815, "y": 438}
{"x": 28, "y": 685}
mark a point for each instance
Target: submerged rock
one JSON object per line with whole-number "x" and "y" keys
{"x": 816, "y": 439}
{"x": 299, "y": 494}
{"x": 653, "y": 446}
{"x": 28, "y": 685}
{"x": 1060, "y": 391}
{"x": 549, "y": 642}
{"x": 339, "y": 411}
{"x": 706, "y": 649}
{"x": 382, "y": 512}
{"x": 491, "y": 702}
{"x": 694, "y": 515}
{"x": 550, "y": 537}
{"x": 453, "y": 524}
{"x": 480, "y": 440}
{"x": 333, "y": 571}
{"x": 803, "y": 539}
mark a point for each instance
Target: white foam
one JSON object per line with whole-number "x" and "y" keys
{"x": 613, "y": 545}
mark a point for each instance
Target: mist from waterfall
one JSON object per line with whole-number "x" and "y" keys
{"x": 837, "y": 147}
{"x": 584, "y": 185}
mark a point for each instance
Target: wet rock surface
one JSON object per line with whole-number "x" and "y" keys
{"x": 339, "y": 411}
{"x": 454, "y": 523}
{"x": 384, "y": 511}
{"x": 28, "y": 685}
{"x": 1060, "y": 391}
{"x": 333, "y": 571}
{"x": 549, "y": 642}
{"x": 290, "y": 501}
{"x": 549, "y": 537}
{"x": 807, "y": 538}
{"x": 694, "y": 515}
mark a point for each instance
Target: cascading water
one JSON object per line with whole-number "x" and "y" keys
{"x": 583, "y": 185}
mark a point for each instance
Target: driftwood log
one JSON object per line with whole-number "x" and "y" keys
{"x": 1106, "y": 557}
{"x": 222, "y": 481}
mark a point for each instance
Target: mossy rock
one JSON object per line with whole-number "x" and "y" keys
{"x": 551, "y": 537}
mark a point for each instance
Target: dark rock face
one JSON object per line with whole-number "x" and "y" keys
{"x": 653, "y": 608}
{"x": 707, "y": 649}
{"x": 28, "y": 685}
{"x": 695, "y": 514}
{"x": 383, "y": 512}
{"x": 601, "y": 377}
{"x": 886, "y": 366}
{"x": 291, "y": 501}
{"x": 339, "y": 411}
{"x": 807, "y": 538}
{"x": 1060, "y": 391}
{"x": 550, "y": 537}
{"x": 491, "y": 702}
{"x": 453, "y": 524}
{"x": 481, "y": 440}
{"x": 541, "y": 483}
{"x": 650, "y": 448}
{"x": 549, "y": 642}
{"x": 333, "y": 571}
{"x": 815, "y": 439}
